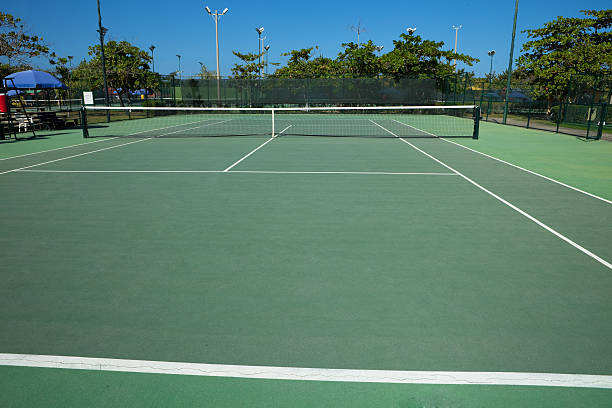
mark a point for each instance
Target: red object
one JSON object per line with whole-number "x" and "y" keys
{"x": 4, "y": 103}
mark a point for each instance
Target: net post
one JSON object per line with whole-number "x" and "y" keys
{"x": 84, "y": 122}
{"x": 272, "y": 122}
{"x": 476, "y": 122}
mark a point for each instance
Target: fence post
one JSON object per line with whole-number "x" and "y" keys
{"x": 602, "y": 120}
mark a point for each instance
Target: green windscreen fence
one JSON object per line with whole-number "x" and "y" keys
{"x": 581, "y": 108}
{"x": 297, "y": 92}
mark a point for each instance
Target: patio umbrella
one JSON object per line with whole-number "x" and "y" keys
{"x": 33, "y": 80}
{"x": 517, "y": 95}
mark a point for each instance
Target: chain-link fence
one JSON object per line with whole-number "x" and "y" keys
{"x": 582, "y": 109}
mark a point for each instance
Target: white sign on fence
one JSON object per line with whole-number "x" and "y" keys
{"x": 88, "y": 98}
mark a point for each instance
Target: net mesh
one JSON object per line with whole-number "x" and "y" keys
{"x": 425, "y": 121}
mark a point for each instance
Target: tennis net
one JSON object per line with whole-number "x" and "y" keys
{"x": 397, "y": 121}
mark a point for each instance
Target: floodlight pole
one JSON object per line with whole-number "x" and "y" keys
{"x": 215, "y": 17}
{"x": 510, "y": 63}
{"x": 260, "y": 43}
{"x": 267, "y": 48}
{"x": 491, "y": 54}
{"x": 456, "y": 28}
{"x": 179, "y": 66}
{"x": 102, "y": 32}
{"x": 152, "y": 48}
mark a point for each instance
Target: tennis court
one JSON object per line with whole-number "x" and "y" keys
{"x": 400, "y": 257}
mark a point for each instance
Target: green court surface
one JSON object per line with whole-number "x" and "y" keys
{"x": 394, "y": 258}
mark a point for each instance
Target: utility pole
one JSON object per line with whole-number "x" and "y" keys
{"x": 491, "y": 54}
{"x": 510, "y": 63}
{"x": 102, "y": 31}
{"x": 215, "y": 17}
{"x": 358, "y": 29}
{"x": 152, "y": 48}
{"x": 456, "y": 28}
{"x": 267, "y": 48}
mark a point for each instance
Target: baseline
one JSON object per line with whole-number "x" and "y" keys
{"x": 309, "y": 374}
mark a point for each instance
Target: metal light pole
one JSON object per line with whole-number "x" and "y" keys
{"x": 510, "y": 63}
{"x": 102, "y": 31}
{"x": 152, "y": 48}
{"x": 179, "y": 66}
{"x": 215, "y": 17}
{"x": 259, "y": 31}
{"x": 491, "y": 54}
{"x": 456, "y": 28}
{"x": 267, "y": 48}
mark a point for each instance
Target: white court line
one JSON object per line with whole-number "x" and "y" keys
{"x": 107, "y": 148}
{"x": 74, "y": 155}
{"x": 59, "y": 148}
{"x": 168, "y": 127}
{"x": 308, "y": 374}
{"x": 256, "y": 149}
{"x": 533, "y": 172}
{"x": 515, "y": 208}
{"x": 244, "y": 171}
{"x": 514, "y": 165}
{"x": 415, "y": 128}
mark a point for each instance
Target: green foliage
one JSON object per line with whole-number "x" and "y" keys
{"x": 250, "y": 68}
{"x": 565, "y": 47}
{"x": 359, "y": 60}
{"x": 411, "y": 57}
{"x": 17, "y": 45}
{"x": 415, "y": 57}
{"x": 7, "y": 69}
{"x": 127, "y": 69}
{"x": 301, "y": 65}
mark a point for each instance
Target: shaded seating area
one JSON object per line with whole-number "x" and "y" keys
{"x": 16, "y": 118}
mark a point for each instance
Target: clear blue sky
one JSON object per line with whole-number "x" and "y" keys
{"x": 183, "y": 27}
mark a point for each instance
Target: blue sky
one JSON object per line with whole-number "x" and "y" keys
{"x": 183, "y": 27}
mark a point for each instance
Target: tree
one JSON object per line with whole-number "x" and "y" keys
{"x": 127, "y": 69}
{"x": 300, "y": 65}
{"x": 249, "y": 69}
{"x": 359, "y": 60}
{"x": 415, "y": 57}
{"x": 565, "y": 47}
{"x": 18, "y": 46}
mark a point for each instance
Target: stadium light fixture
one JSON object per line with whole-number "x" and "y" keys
{"x": 260, "y": 30}
{"x": 215, "y": 16}
{"x": 411, "y": 30}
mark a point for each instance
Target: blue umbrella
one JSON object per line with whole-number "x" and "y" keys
{"x": 14, "y": 92}
{"x": 517, "y": 95}
{"x": 33, "y": 80}
{"x": 140, "y": 92}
